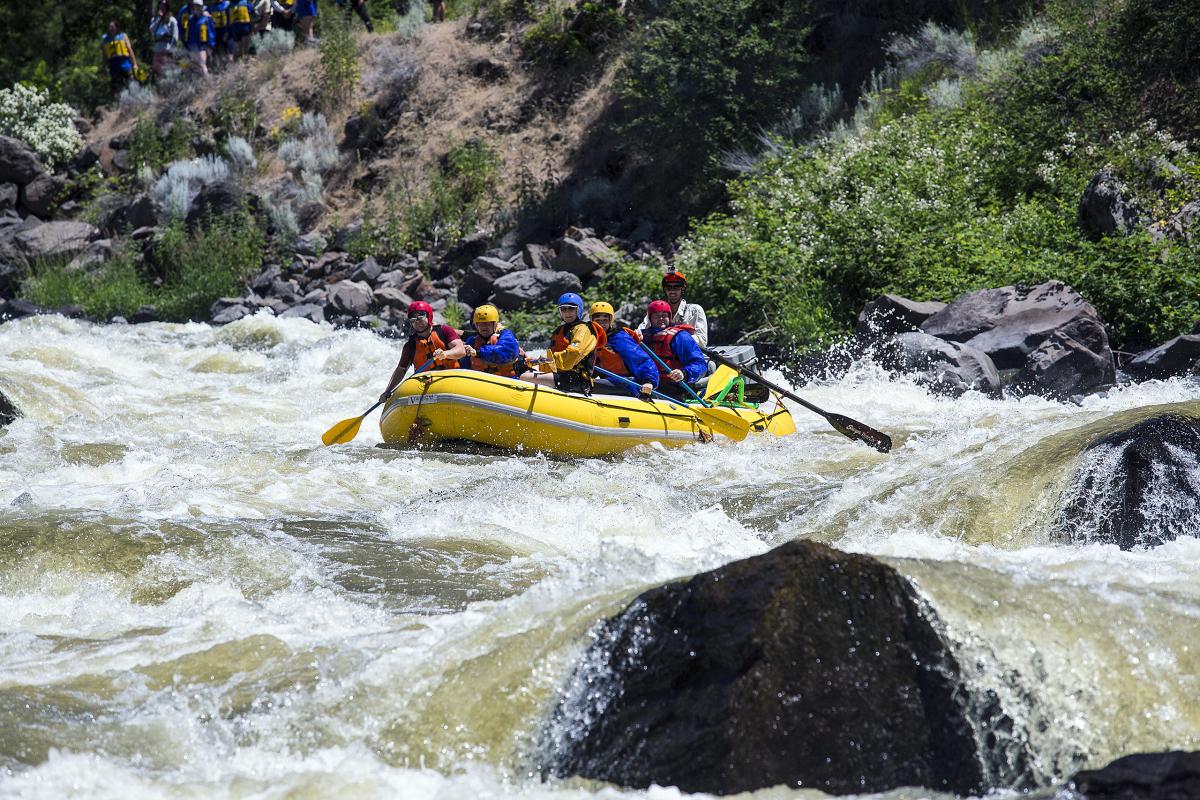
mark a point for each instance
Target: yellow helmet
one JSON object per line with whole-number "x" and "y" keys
{"x": 601, "y": 307}
{"x": 486, "y": 313}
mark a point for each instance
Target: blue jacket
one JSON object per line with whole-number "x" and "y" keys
{"x": 684, "y": 346}
{"x": 642, "y": 368}
{"x": 504, "y": 351}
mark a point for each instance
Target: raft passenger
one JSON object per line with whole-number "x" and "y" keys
{"x": 572, "y": 353}
{"x": 441, "y": 343}
{"x": 493, "y": 348}
{"x": 674, "y": 284}
{"x": 622, "y": 355}
{"x": 676, "y": 347}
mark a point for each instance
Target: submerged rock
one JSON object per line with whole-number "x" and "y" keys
{"x": 804, "y": 666}
{"x": 1144, "y": 776}
{"x": 8, "y": 410}
{"x": 1138, "y": 487}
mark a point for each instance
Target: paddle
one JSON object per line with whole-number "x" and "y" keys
{"x": 844, "y": 425}
{"x": 718, "y": 381}
{"x": 684, "y": 384}
{"x": 347, "y": 429}
{"x": 734, "y": 427}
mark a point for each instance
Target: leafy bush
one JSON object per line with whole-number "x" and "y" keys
{"x": 628, "y": 281}
{"x": 154, "y": 146}
{"x": 702, "y": 79}
{"x": 458, "y": 196}
{"x": 27, "y": 114}
{"x": 931, "y": 202}
{"x": 561, "y": 38}
{"x": 192, "y": 271}
{"x": 338, "y": 73}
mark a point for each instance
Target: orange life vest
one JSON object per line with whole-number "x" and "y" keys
{"x": 660, "y": 343}
{"x": 561, "y": 340}
{"x": 609, "y": 359}
{"x": 508, "y": 369}
{"x": 423, "y": 350}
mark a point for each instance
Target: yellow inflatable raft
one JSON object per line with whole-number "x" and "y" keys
{"x": 458, "y": 405}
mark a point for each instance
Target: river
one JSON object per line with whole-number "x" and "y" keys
{"x": 197, "y": 599}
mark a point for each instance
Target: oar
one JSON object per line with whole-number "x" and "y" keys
{"x": 734, "y": 427}
{"x": 844, "y": 425}
{"x": 684, "y": 384}
{"x": 347, "y": 429}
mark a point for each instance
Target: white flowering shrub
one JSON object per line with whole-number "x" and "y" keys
{"x": 27, "y": 114}
{"x": 183, "y": 180}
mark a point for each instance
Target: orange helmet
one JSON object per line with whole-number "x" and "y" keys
{"x": 674, "y": 276}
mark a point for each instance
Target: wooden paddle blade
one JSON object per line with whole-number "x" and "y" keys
{"x": 718, "y": 381}
{"x": 724, "y": 421}
{"x": 863, "y": 433}
{"x": 343, "y": 432}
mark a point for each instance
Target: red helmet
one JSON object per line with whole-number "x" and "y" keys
{"x": 658, "y": 305}
{"x": 421, "y": 307}
{"x": 674, "y": 276}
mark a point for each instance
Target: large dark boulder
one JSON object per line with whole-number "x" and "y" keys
{"x": 530, "y": 288}
{"x": 804, "y": 666}
{"x": 40, "y": 195}
{"x": 1061, "y": 367}
{"x": 947, "y": 368}
{"x": 891, "y": 313}
{"x": 215, "y": 200}
{"x": 351, "y": 298}
{"x": 1144, "y": 776}
{"x": 1012, "y": 322}
{"x": 1104, "y": 208}
{"x": 583, "y": 256}
{"x": 18, "y": 162}
{"x": 477, "y": 282}
{"x": 1136, "y": 487}
{"x": 1175, "y": 357}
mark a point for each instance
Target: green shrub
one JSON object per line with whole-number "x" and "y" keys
{"x": 627, "y": 281}
{"x": 459, "y": 195}
{"x": 338, "y": 73}
{"x": 560, "y": 38}
{"x": 155, "y": 146}
{"x": 192, "y": 269}
{"x": 702, "y": 79}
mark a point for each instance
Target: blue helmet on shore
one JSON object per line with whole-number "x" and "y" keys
{"x": 572, "y": 299}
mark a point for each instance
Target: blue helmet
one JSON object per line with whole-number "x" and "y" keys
{"x": 572, "y": 299}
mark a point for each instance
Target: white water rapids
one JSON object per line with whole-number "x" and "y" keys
{"x": 197, "y": 599}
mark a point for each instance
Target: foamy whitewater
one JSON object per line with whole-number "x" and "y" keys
{"x": 198, "y": 599}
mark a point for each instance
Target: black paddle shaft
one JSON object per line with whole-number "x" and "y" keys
{"x": 846, "y": 426}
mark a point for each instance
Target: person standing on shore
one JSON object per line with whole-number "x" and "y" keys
{"x": 196, "y": 31}
{"x": 164, "y": 30}
{"x": 118, "y": 57}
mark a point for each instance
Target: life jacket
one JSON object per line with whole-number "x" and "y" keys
{"x": 578, "y": 379}
{"x": 203, "y": 26}
{"x": 508, "y": 369}
{"x": 423, "y": 349}
{"x": 220, "y": 15}
{"x": 609, "y": 359}
{"x": 116, "y": 47}
{"x": 660, "y": 343}
{"x": 239, "y": 13}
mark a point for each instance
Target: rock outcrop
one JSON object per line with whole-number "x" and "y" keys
{"x": 1044, "y": 339}
{"x": 891, "y": 313}
{"x": 1144, "y": 776}
{"x": 804, "y": 666}
{"x": 1137, "y": 487}
{"x": 946, "y": 368}
{"x": 1178, "y": 356}
{"x": 8, "y": 410}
